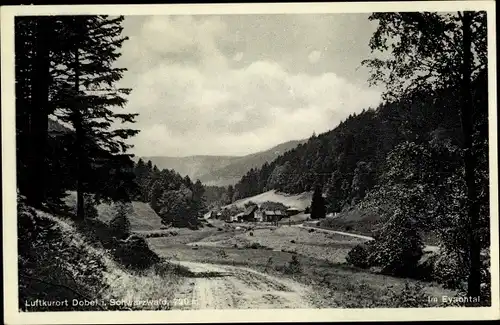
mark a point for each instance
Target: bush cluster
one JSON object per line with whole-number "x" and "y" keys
{"x": 293, "y": 267}
{"x": 359, "y": 256}
{"x": 134, "y": 253}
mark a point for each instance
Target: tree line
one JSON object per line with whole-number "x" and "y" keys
{"x": 178, "y": 200}
{"x": 420, "y": 159}
{"x": 68, "y": 131}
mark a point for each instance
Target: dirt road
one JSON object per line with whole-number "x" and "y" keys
{"x": 427, "y": 248}
{"x": 234, "y": 287}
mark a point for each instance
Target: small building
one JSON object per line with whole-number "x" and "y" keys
{"x": 238, "y": 217}
{"x": 292, "y": 211}
{"x": 273, "y": 215}
{"x": 279, "y": 214}
{"x": 268, "y": 216}
{"x": 249, "y": 214}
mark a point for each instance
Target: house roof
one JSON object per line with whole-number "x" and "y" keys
{"x": 273, "y": 213}
{"x": 250, "y": 210}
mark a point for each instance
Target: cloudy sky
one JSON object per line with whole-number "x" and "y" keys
{"x": 238, "y": 84}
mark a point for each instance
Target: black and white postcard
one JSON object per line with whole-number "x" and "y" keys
{"x": 249, "y": 162}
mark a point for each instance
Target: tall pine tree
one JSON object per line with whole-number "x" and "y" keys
{"x": 318, "y": 209}
{"x": 92, "y": 44}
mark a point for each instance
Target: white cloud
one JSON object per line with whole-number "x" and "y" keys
{"x": 314, "y": 56}
{"x": 191, "y": 100}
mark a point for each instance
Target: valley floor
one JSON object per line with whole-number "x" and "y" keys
{"x": 244, "y": 266}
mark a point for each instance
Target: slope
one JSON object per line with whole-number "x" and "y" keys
{"x": 143, "y": 217}
{"x": 299, "y": 201}
{"x": 57, "y": 261}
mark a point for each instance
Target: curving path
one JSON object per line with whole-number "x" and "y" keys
{"x": 232, "y": 287}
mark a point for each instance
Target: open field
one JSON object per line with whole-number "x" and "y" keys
{"x": 331, "y": 247}
{"x": 328, "y": 280}
{"x": 230, "y": 254}
{"x": 299, "y": 201}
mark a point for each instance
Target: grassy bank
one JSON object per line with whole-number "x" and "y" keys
{"x": 60, "y": 261}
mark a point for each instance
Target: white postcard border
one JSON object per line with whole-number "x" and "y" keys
{"x": 13, "y": 316}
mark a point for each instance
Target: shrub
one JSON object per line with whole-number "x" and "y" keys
{"x": 448, "y": 271}
{"x": 358, "y": 256}
{"x": 311, "y": 230}
{"x": 166, "y": 269}
{"x": 426, "y": 268}
{"x": 270, "y": 205}
{"x": 251, "y": 233}
{"x": 134, "y": 252}
{"x": 293, "y": 266}
{"x": 120, "y": 224}
{"x": 249, "y": 204}
{"x": 398, "y": 249}
{"x": 269, "y": 263}
{"x": 222, "y": 253}
{"x": 254, "y": 246}
{"x": 292, "y": 241}
{"x": 412, "y": 296}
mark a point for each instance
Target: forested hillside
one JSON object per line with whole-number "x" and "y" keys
{"x": 419, "y": 161}
{"x": 349, "y": 160}
{"x": 231, "y": 173}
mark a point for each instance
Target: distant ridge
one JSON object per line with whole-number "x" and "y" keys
{"x": 220, "y": 170}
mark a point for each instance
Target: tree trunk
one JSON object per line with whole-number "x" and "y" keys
{"x": 39, "y": 117}
{"x": 80, "y": 197}
{"x": 467, "y": 120}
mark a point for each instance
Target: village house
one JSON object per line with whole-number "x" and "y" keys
{"x": 248, "y": 214}
{"x": 272, "y": 215}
